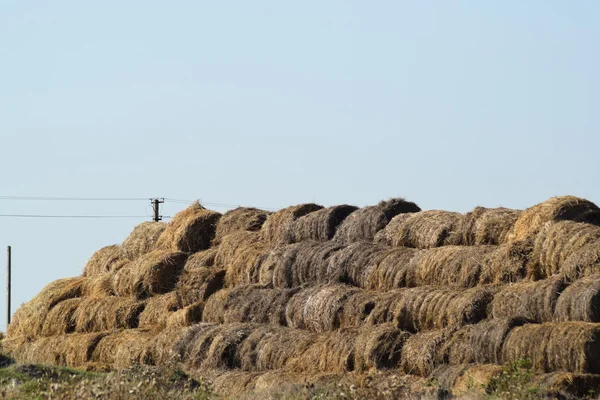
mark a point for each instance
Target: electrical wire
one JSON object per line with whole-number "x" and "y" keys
{"x": 72, "y": 216}
{"x": 73, "y": 198}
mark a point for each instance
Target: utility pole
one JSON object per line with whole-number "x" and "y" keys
{"x": 156, "y": 202}
{"x": 8, "y": 267}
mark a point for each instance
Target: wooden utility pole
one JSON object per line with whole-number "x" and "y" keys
{"x": 155, "y": 207}
{"x": 8, "y": 267}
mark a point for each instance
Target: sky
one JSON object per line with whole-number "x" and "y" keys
{"x": 269, "y": 103}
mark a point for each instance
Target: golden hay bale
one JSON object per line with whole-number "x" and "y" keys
{"x": 580, "y": 301}
{"x": 394, "y": 271}
{"x": 157, "y": 272}
{"x": 166, "y": 348}
{"x": 187, "y": 316}
{"x": 557, "y": 384}
{"x": 73, "y": 350}
{"x": 190, "y": 230}
{"x": 318, "y": 226}
{"x": 422, "y": 230}
{"x": 555, "y": 346}
{"x": 249, "y": 303}
{"x": 582, "y": 263}
{"x": 197, "y": 285}
{"x": 239, "y": 220}
{"x": 142, "y": 239}
{"x": 451, "y": 265}
{"x": 487, "y": 225}
{"x": 28, "y": 320}
{"x": 560, "y": 208}
{"x": 122, "y": 349}
{"x": 353, "y": 264}
{"x": 201, "y": 260}
{"x": 379, "y": 347}
{"x": 422, "y": 352}
{"x": 535, "y": 301}
{"x": 300, "y": 263}
{"x": 462, "y": 379}
{"x": 364, "y": 223}
{"x": 97, "y": 314}
{"x": 105, "y": 260}
{"x": 480, "y": 343}
{"x": 60, "y": 319}
{"x": 122, "y": 281}
{"x": 157, "y": 311}
{"x": 241, "y": 255}
{"x": 329, "y": 352}
{"x": 98, "y": 286}
{"x": 507, "y": 263}
{"x": 234, "y": 384}
{"x": 277, "y": 224}
{"x": 557, "y": 241}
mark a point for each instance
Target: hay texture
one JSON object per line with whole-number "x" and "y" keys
{"x": 190, "y": 230}
{"x": 487, "y": 226}
{"x": 60, "y": 319}
{"x": 120, "y": 350}
{"x": 354, "y": 263}
{"x": 241, "y": 255}
{"x": 99, "y": 286}
{"x": 105, "y": 260}
{"x": 580, "y": 301}
{"x": 319, "y": 226}
{"x": 363, "y": 224}
{"x": 277, "y": 225}
{"x": 241, "y": 219}
{"x": 562, "y": 208}
{"x": 395, "y": 270}
{"x": 142, "y": 239}
{"x": 201, "y": 260}
{"x": 197, "y": 285}
{"x": 507, "y": 263}
{"x": 422, "y": 230}
{"x": 98, "y": 314}
{"x": 155, "y": 273}
{"x": 187, "y": 316}
{"x": 422, "y": 352}
{"x": 466, "y": 379}
{"x": 157, "y": 311}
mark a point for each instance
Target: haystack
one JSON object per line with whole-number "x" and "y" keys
{"x": 394, "y": 271}
{"x": 330, "y": 352}
{"x": 584, "y": 262}
{"x": 98, "y": 314}
{"x": 122, "y": 349}
{"x": 556, "y": 346}
{"x": 563, "y": 208}
{"x": 157, "y": 310}
{"x": 535, "y": 301}
{"x": 196, "y": 285}
{"x": 142, "y": 239}
{"x": 60, "y": 319}
{"x": 422, "y": 230}
{"x": 363, "y": 224}
{"x": 318, "y": 226}
{"x": 241, "y": 219}
{"x": 353, "y": 264}
{"x": 240, "y": 255}
{"x": 507, "y": 263}
{"x": 156, "y": 273}
{"x": 487, "y": 225}
{"x": 99, "y": 286}
{"x": 187, "y": 316}
{"x": 465, "y": 379}
{"x": 105, "y": 260}
{"x": 202, "y": 259}
{"x": 422, "y": 352}
{"x": 190, "y": 230}
{"x": 278, "y": 224}
{"x": 379, "y": 347}
{"x": 580, "y": 301}
{"x": 452, "y": 265}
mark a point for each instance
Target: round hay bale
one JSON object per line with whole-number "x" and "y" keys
{"x": 379, "y": 347}
{"x": 123, "y": 349}
{"x": 142, "y": 239}
{"x": 190, "y": 230}
{"x": 535, "y": 301}
{"x": 580, "y": 301}
{"x": 167, "y": 347}
{"x": 157, "y": 310}
{"x": 487, "y": 226}
{"x": 422, "y": 230}
{"x": 394, "y": 271}
{"x": 562, "y": 208}
{"x": 73, "y": 350}
{"x": 241, "y": 219}
{"x": 201, "y": 260}
{"x": 318, "y": 226}
{"x": 187, "y": 316}
{"x": 217, "y": 347}
{"x": 277, "y": 224}
{"x": 329, "y": 352}
{"x": 354, "y": 263}
{"x": 584, "y": 262}
{"x": 556, "y": 242}
{"x": 59, "y": 320}
{"x": 555, "y": 346}
{"x": 105, "y": 260}
{"x": 235, "y": 384}
{"x": 451, "y": 265}
{"x": 157, "y": 273}
{"x": 98, "y": 314}
{"x": 28, "y": 321}
{"x": 363, "y": 224}
{"x": 241, "y": 256}
{"x": 99, "y": 286}
{"x": 421, "y": 352}
{"x": 463, "y": 379}
{"x": 197, "y": 285}
{"x": 122, "y": 281}
{"x": 508, "y": 263}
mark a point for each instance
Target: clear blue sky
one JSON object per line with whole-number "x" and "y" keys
{"x": 269, "y": 103}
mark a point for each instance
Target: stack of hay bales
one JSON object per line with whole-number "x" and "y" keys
{"x": 255, "y": 298}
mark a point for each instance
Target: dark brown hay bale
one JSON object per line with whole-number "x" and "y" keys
{"x": 28, "y": 321}
{"x": 364, "y": 223}
{"x": 240, "y": 219}
{"x": 277, "y": 224}
{"x": 157, "y": 310}
{"x": 249, "y": 303}
{"x": 555, "y": 346}
{"x": 157, "y": 273}
{"x": 353, "y": 264}
{"x": 187, "y": 316}
{"x": 105, "y": 260}
{"x": 556, "y": 242}
{"x": 557, "y": 384}
{"x": 142, "y": 239}
{"x": 122, "y": 349}
{"x": 74, "y": 350}
{"x": 190, "y": 230}
{"x": 487, "y": 225}
{"x": 535, "y": 301}
{"x": 422, "y": 352}
{"x": 197, "y": 285}
{"x": 301, "y": 263}
{"x": 422, "y": 230}
{"x": 318, "y": 226}
{"x": 452, "y": 265}
{"x": 379, "y": 347}
{"x": 202, "y": 259}
{"x": 462, "y": 379}
{"x": 394, "y": 271}
{"x": 98, "y": 286}
{"x": 59, "y": 320}
{"x": 563, "y": 208}
{"x": 580, "y": 301}
{"x": 480, "y": 343}
{"x": 107, "y": 313}
{"x": 507, "y": 263}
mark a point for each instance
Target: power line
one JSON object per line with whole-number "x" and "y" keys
{"x": 72, "y": 216}
{"x": 45, "y": 198}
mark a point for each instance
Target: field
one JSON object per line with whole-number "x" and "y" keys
{"x": 383, "y": 301}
